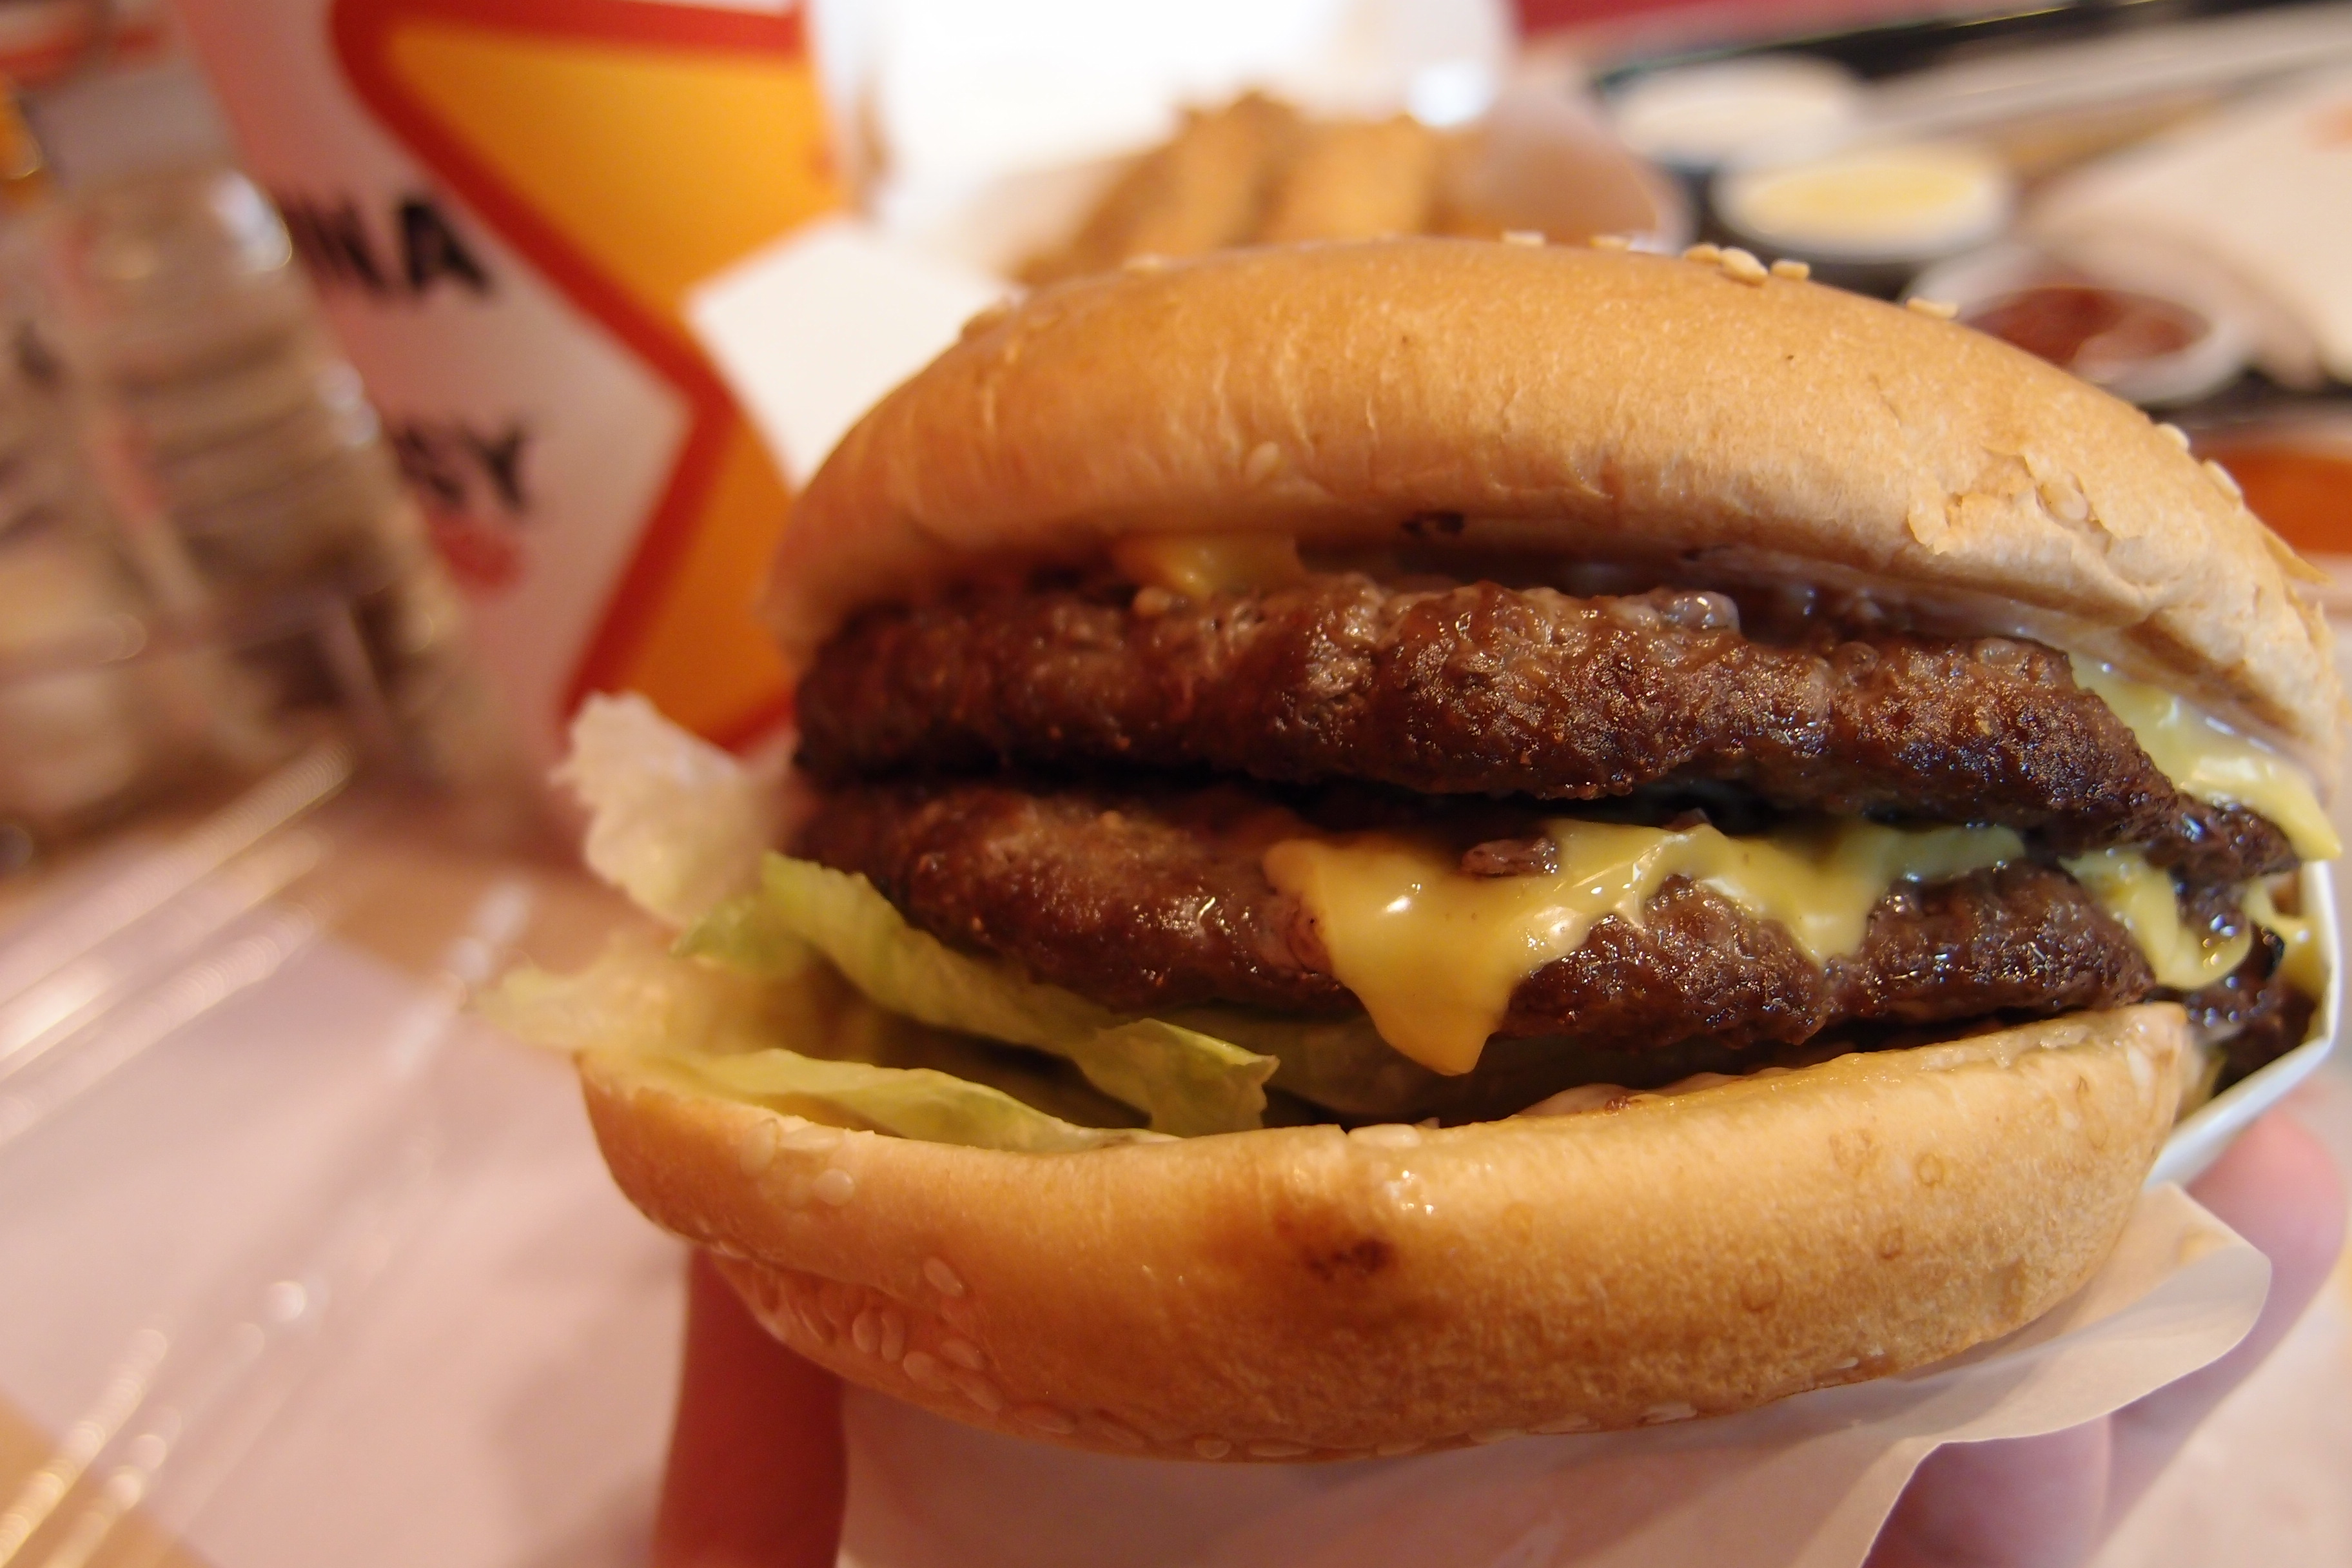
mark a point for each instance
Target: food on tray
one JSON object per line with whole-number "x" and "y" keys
{"x": 1404, "y": 842}
{"x": 1259, "y": 172}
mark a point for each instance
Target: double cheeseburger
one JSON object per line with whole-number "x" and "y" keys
{"x": 1405, "y": 842}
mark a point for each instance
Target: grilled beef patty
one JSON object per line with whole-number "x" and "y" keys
{"x": 1150, "y": 905}
{"x": 1482, "y": 690}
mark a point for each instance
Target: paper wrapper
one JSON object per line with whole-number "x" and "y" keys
{"x": 1806, "y": 1481}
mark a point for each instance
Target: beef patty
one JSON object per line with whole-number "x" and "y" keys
{"x": 1487, "y": 689}
{"x": 1161, "y": 904}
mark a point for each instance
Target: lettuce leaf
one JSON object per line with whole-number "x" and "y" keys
{"x": 909, "y": 1102}
{"x": 674, "y": 821}
{"x": 1188, "y": 1082}
{"x": 705, "y": 1028}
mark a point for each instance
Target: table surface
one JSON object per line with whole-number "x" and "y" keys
{"x": 312, "y": 1267}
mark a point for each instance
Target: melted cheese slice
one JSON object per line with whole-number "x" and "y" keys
{"x": 2213, "y": 762}
{"x": 2144, "y": 902}
{"x": 1196, "y": 565}
{"x": 1434, "y": 953}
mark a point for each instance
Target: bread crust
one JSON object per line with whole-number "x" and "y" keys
{"x": 1589, "y": 402}
{"x": 1309, "y": 1292}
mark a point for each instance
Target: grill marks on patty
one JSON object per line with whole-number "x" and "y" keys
{"x": 1147, "y": 906}
{"x": 1486, "y": 689}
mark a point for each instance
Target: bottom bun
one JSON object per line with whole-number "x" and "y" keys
{"x": 1308, "y": 1292}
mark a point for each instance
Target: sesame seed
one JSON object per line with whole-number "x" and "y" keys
{"x": 1612, "y": 242}
{"x": 1125, "y": 1437}
{"x": 924, "y": 1371}
{"x": 1743, "y": 266}
{"x": 963, "y": 1352}
{"x": 1152, "y": 601}
{"x": 2223, "y": 477}
{"x": 1389, "y": 1135}
{"x": 865, "y": 1333}
{"x": 942, "y": 1279}
{"x": 1529, "y": 237}
{"x": 1271, "y": 1451}
{"x": 2065, "y": 500}
{"x": 812, "y": 1321}
{"x": 1942, "y": 310}
{"x": 1495, "y": 1433}
{"x": 1398, "y": 1450}
{"x": 1579, "y": 1423}
{"x": 1792, "y": 268}
{"x": 811, "y": 1137}
{"x": 894, "y": 1336}
{"x": 1212, "y": 1447}
{"x": 2174, "y": 433}
{"x": 1710, "y": 254}
{"x": 834, "y": 1185}
{"x": 1045, "y": 1418}
{"x": 1145, "y": 262}
{"x": 1848, "y": 1364}
{"x": 1673, "y": 1410}
{"x": 1264, "y": 462}
{"x": 978, "y": 1389}
{"x": 756, "y": 1150}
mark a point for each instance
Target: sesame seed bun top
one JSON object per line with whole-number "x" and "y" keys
{"x": 1579, "y": 403}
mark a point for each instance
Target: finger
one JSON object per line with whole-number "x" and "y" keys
{"x": 756, "y": 1474}
{"x": 2278, "y": 1189}
{"x": 2018, "y": 1502}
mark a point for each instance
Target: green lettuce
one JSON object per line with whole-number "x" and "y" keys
{"x": 673, "y": 821}
{"x": 1187, "y": 1081}
{"x": 705, "y": 1028}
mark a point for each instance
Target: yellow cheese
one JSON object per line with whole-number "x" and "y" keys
{"x": 2213, "y": 762}
{"x": 2308, "y": 958}
{"x": 1198, "y": 565}
{"x": 1434, "y": 953}
{"x": 2143, "y": 899}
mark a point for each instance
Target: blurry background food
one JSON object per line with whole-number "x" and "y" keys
{"x": 1257, "y": 171}
{"x": 2154, "y": 196}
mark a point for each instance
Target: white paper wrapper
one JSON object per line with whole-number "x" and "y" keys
{"x": 1804, "y": 1482}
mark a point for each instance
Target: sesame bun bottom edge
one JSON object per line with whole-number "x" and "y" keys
{"x": 1308, "y": 1292}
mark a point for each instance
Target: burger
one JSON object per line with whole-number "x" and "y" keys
{"x": 1394, "y": 843}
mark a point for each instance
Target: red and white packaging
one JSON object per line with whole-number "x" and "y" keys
{"x": 504, "y": 204}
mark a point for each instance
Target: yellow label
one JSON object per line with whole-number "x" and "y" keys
{"x": 1434, "y": 953}
{"x": 630, "y": 162}
{"x": 2213, "y": 762}
{"x": 2144, "y": 901}
{"x": 1199, "y": 564}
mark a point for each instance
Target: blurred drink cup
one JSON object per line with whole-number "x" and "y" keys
{"x": 503, "y": 203}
